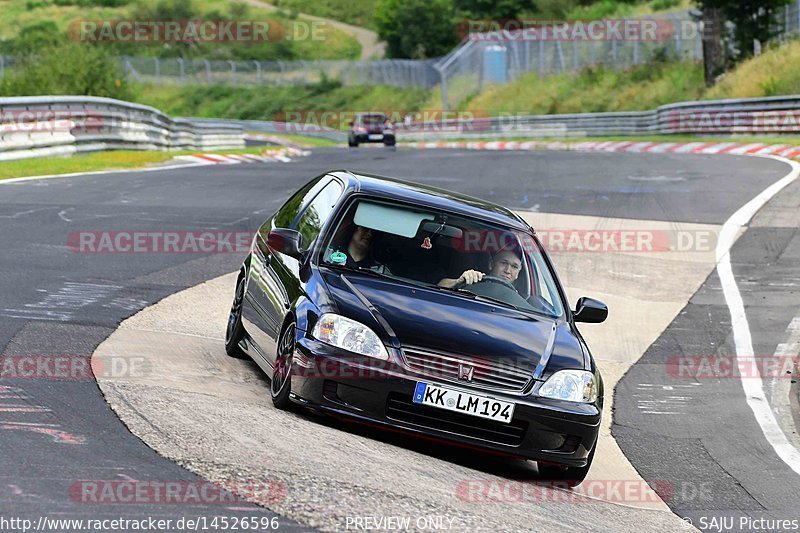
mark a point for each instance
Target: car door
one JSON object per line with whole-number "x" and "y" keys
{"x": 278, "y": 275}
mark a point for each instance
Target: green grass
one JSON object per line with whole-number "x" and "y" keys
{"x": 355, "y": 12}
{"x": 269, "y": 103}
{"x": 644, "y": 87}
{"x": 15, "y": 15}
{"x": 593, "y": 90}
{"x": 100, "y": 161}
{"x": 301, "y": 140}
{"x": 774, "y": 73}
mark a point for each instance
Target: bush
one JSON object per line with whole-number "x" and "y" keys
{"x": 66, "y": 68}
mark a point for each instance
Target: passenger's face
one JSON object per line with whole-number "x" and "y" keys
{"x": 506, "y": 265}
{"x": 362, "y": 237}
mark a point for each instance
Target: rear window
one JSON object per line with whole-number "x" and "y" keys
{"x": 373, "y": 120}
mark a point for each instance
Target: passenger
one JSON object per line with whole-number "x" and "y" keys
{"x": 359, "y": 252}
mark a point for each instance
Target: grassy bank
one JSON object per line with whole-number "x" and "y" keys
{"x": 355, "y": 12}
{"x": 288, "y": 38}
{"x": 96, "y": 162}
{"x": 644, "y": 87}
{"x": 269, "y": 103}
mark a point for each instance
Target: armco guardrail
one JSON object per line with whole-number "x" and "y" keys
{"x": 774, "y": 115}
{"x": 753, "y": 116}
{"x": 45, "y": 126}
{"x": 268, "y": 126}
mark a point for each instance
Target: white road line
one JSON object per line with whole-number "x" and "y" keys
{"x": 93, "y": 173}
{"x": 752, "y": 383}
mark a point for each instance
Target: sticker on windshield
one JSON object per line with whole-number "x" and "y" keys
{"x": 339, "y": 258}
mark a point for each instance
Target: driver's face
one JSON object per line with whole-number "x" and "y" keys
{"x": 506, "y": 265}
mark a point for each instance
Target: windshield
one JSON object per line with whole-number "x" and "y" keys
{"x": 447, "y": 251}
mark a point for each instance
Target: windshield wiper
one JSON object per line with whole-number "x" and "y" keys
{"x": 359, "y": 269}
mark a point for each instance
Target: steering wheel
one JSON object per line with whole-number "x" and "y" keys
{"x": 489, "y": 279}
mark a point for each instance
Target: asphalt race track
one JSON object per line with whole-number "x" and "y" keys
{"x": 58, "y": 303}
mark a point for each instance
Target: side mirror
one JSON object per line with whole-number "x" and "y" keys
{"x": 590, "y": 311}
{"x": 285, "y": 241}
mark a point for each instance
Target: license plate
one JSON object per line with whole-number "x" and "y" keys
{"x": 463, "y": 402}
{"x": 375, "y": 136}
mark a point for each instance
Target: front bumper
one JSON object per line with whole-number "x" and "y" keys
{"x": 380, "y": 393}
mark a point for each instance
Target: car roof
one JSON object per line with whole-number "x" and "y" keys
{"x": 397, "y": 189}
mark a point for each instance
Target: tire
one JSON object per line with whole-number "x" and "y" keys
{"x": 234, "y": 333}
{"x": 571, "y": 475}
{"x": 352, "y": 143}
{"x": 281, "y": 382}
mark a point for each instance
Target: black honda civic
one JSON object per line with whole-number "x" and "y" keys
{"x": 423, "y": 310}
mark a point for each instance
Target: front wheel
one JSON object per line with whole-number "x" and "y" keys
{"x": 571, "y": 475}
{"x": 234, "y": 333}
{"x": 281, "y": 383}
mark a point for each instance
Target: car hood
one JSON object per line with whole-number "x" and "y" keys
{"x": 442, "y": 322}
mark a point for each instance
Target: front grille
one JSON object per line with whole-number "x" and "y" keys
{"x": 486, "y": 374}
{"x": 399, "y": 407}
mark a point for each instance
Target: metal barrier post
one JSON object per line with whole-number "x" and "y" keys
{"x": 208, "y": 70}
{"x": 180, "y": 64}
{"x": 158, "y": 70}
{"x": 233, "y": 72}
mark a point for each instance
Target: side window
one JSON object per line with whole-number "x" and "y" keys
{"x": 318, "y": 211}
{"x": 288, "y": 213}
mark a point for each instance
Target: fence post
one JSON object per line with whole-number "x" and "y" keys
{"x": 258, "y": 72}
{"x": 158, "y": 70}
{"x": 208, "y": 70}
{"x": 233, "y": 72}
{"x": 636, "y": 51}
{"x": 592, "y": 52}
{"x": 614, "y": 51}
{"x": 443, "y": 86}
{"x": 305, "y": 72}
{"x": 182, "y": 71}
{"x": 541, "y": 57}
{"x": 560, "y": 53}
{"x": 576, "y": 62}
{"x": 785, "y": 21}
{"x": 2, "y": 67}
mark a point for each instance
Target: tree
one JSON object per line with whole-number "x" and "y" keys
{"x": 753, "y": 20}
{"x": 495, "y": 9}
{"x": 417, "y": 29}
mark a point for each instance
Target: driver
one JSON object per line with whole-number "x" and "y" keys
{"x": 505, "y": 264}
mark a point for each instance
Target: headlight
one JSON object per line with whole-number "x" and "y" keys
{"x": 349, "y": 335}
{"x": 571, "y": 385}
